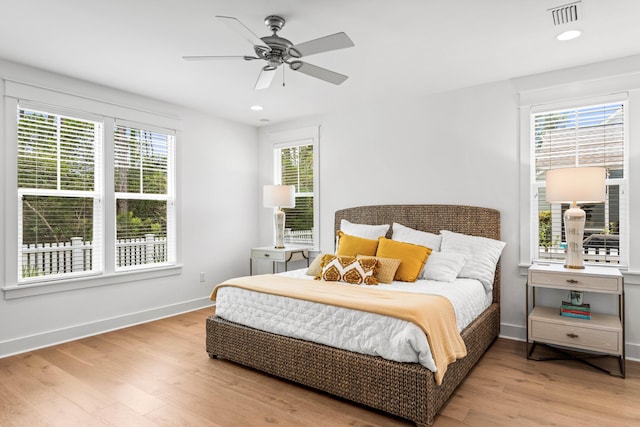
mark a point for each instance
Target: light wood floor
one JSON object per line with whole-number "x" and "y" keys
{"x": 158, "y": 374}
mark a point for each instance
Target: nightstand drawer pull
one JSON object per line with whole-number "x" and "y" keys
{"x": 572, "y": 335}
{"x": 572, "y": 281}
{"x": 266, "y": 255}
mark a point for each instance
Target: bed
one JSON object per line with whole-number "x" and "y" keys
{"x": 407, "y": 390}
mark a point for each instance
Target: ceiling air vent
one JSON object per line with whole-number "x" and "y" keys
{"x": 566, "y": 14}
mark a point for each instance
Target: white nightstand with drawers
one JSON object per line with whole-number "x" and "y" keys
{"x": 284, "y": 255}
{"x": 583, "y": 339}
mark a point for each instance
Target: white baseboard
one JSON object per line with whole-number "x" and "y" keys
{"x": 59, "y": 336}
{"x": 518, "y": 333}
{"x": 513, "y": 332}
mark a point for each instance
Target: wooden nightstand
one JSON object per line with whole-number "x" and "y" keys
{"x": 285, "y": 255}
{"x": 600, "y": 337}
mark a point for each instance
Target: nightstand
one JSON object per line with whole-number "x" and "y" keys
{"x": 587, "y": 340}
{"x": 285, "y": 255}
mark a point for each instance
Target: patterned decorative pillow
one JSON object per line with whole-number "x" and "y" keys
{"x": 349, "y": 269}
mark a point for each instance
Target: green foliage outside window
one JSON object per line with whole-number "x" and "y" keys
{"x": 140, "y": 167}
{"x": 296, "y": 165}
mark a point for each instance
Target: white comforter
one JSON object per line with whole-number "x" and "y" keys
{"x": 352, "y": 330}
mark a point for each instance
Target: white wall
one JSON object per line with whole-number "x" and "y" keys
{"x": 459, "y": 147}
{"x": 216, "y": 164}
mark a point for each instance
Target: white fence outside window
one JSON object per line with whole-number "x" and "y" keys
{"x": 298, "y": 237}
{"x": 45, "y": 259}
{"x": 595, "y": 255}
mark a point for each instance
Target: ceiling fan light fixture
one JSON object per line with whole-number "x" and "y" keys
{"x": 569, "y": 35}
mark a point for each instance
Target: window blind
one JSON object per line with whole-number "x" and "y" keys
{"x": 59, "y": 200}
{"x": 587, "y": 136}
{"x": 144, "y": 203}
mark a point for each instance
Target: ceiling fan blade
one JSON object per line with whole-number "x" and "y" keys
{"x": 318, "y": 72}
{"x": 242, "y": 30}
{"x": 215, "y": 57}
{"x": 266, "y": 76}
{"x": 323, "y": 44}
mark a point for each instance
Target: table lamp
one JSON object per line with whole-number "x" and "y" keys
{"x": 278, "y": 197}
{"x": 575, "y": 185}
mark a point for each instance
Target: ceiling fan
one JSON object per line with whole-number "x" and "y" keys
{"x": 276, "y": 50}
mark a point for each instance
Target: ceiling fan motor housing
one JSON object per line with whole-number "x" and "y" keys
{"x": 279, "y": 50}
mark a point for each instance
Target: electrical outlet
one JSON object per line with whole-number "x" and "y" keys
{"x": 202, "y": 276}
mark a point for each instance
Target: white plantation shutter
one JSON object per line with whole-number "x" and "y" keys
{"x": 592, "y": 135}
{"x": 143, "y": 180}
{"x": 59, "y": 195}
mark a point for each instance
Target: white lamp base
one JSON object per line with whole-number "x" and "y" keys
{"x": 279, "y": 228}
{"x": 574, "y": 219}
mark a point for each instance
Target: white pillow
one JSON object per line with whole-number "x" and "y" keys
{"x": 481, "y": 255}
{"x": 443, "y": 266}
{"x": 365, "y": 231}
{"x": 405, "y": 234}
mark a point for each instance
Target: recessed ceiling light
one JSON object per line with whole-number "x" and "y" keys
{"x": 569, "y": 35}
{"x": 256, "y": 107}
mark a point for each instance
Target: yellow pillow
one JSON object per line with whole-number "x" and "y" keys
{"x": 349, "y": 269}
{"x": 413, "y": 257}
{"x": 351, "y": 245}
{"x": 387, "y": 270}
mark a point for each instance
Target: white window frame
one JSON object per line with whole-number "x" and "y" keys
{"x": 78, "y": 106}
{"x": 292, "y": 138}
{"x": 169, "y": 198}
{"x": 621, "y": 182}
{"x": 544, "y": 100}
{"x": 97, "y": 194}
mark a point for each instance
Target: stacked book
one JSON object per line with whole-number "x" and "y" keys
{"x": 580, "y": 311}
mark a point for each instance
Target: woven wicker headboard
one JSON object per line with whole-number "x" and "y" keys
{"x": 472, "y": 220}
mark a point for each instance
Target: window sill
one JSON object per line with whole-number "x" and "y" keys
{"x": 29, "y": 290}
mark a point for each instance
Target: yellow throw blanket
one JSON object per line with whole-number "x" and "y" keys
{"x": 432, "y": 313}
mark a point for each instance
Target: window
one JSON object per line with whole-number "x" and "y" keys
{"x": 144, "y": 206}
{"x": 59, "y": 195}
{"x": 593, "y": 135}
{"x": 63, "y": 204}
{"x": 296, "y": 164}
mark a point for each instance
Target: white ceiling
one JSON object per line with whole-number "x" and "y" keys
{"x": 402, "y": 48}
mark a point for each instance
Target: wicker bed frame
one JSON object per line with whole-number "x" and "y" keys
{"x": 407, "y": 390}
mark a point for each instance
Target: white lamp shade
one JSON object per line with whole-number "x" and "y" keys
{"x": 279, "y": 196}
{"x": 580, "y": 185}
